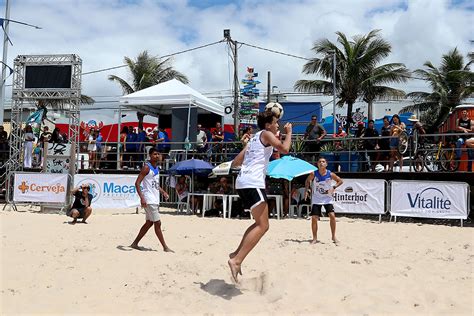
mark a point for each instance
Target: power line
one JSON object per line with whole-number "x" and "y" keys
{"x": 275, "y": 51}
{"x": 164, "y": 56}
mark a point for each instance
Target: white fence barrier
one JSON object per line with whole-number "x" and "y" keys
{"x": 360, "y": 196}
{"x": 429, "y": 199}
{"x": 110, "y": 190}
{"x": 40, "y": 187}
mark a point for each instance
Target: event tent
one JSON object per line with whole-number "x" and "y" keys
{"x": 163, "y": 97}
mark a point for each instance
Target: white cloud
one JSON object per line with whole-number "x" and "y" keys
{"x": 103, "y": 32}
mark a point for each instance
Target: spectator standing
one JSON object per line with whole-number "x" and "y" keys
{"x": 92, "y": 149}
{"x": 218, "y": 138}
{"x": 313, "y": 135}
{"x": 131, "y": 147}
{"x": 163, "y": 141}
{"x": 396, "y": 128}
{"x": 384, "y": 144}
{"x": 121, "y": 144}
{"x": 3, "y": 145}
{"x": 142, "y": 139}
{"x": 201, "y": 140}
{"x": 28, "y": 146}
{"x": 100, "y": 152}
{"x": 371, "y": 145}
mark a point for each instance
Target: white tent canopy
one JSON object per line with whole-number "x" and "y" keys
{"x": 163, "y": 97}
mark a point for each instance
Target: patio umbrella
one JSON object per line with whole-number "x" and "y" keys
{"x": 224, "y": 169}
{"x": 191, "y": 166}
{"x": 289, "y": 167}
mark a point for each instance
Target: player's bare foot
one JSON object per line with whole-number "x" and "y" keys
{"x": 336, "y": 241}
{"x": 135, "y": 246}
{"x": 73, "y": 222}
{"x": 234, "y": 270}
{"x": 314, "y": 241}
{"x": 167, "y": 250}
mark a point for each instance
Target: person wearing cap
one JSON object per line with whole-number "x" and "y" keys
{"x": 417, "y": 126}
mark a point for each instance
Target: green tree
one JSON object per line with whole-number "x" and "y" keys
{"x": 147, "y": 71}
{"x": 358, "y": 73}
{"x": 451, "y": 83}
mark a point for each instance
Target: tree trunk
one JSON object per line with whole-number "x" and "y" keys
{"x": 349, "y": 116}
{"x": 140, "y": 117}
{"x": 370, "y": 110}
{"x": 442, "y": 116}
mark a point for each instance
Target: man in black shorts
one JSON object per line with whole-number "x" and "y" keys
{"x": 323, "y": 189}
{"x": 81, "y": 208}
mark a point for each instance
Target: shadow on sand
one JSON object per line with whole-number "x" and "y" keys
{"x": 128, "y": 248}
{"x": 220, "y": 288}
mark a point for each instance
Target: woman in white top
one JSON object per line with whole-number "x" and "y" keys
{"x": 250, "y": 183}
{"x": 28, "y": 147}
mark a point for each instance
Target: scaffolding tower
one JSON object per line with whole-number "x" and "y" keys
{"x": 66, "y": 100}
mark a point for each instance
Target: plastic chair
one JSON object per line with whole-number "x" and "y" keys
{"x": 300, "y": 209}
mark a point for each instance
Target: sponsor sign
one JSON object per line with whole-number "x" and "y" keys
{"x": 429, "y": 199}
{"x": 55, "y": 149}
{"x": 110, "y": 191}
{"x": 57, "y": 164}
{"x": 360, "y": 196}
{"x": 40, "y": 187}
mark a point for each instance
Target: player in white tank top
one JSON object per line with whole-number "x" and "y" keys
{"x": 323, "y": 190}
{"x": 254, "y": 167}
{"x": 250, "y": 183}
{"x": 149, "y": 177}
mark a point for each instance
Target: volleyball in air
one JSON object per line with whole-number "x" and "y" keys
{"x": 276, "y": 108}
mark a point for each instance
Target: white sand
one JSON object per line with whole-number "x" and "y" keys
{"x": 51, "y": 267}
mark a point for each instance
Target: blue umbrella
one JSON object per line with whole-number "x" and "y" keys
{"x": 191, "y": 166}
{"x": 289, "y": 167}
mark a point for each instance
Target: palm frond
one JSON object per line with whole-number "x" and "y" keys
{"x": 127, "y": 89}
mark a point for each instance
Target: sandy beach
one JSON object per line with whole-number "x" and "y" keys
{"x": 51, "y": 267}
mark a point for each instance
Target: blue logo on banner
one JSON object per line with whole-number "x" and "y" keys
{"x": 429, "y": 198}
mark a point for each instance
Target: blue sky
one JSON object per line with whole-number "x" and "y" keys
{"x": 103, "y": 32}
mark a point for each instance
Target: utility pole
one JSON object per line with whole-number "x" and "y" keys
{"x": 269, "y": 99}
{"x": 6, "y": 24}
{"x": 233, "y": 46}
{"x": 334, "y": 91}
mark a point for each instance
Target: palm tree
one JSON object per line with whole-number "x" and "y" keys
{"x": 147, "y": 71}
{"x": 451, "y": 83}
{"x": 373, "y": 88}
{"x": 357, "y": 71}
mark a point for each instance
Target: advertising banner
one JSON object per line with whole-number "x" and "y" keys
{"x": 429, "y": 199}
{"x": 110, "y": 190}
{"x": 40, "y": 187}
{"x": 360, "y": 196}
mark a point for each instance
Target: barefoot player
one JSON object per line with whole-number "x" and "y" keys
{"x": 323, "y": 191}
{"x": 149, "y": 177}
{"x": 250, "y": 183}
